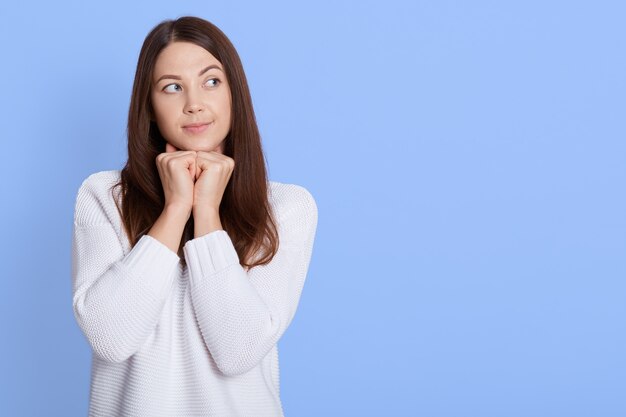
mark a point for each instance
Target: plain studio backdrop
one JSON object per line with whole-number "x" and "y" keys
{"x": 468, "y": 160}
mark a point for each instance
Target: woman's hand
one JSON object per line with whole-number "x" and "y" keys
{"x": 213, "y": 171}
{"x": 177, "y": 170}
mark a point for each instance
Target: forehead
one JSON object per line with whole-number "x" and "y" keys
{"x": 182, "y": 58}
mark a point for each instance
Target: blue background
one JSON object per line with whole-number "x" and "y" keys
{"x": 468, "y": 160}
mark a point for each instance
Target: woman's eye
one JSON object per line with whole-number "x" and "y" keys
{"x": 171, "y": 90}
{"x": 214, "y": 80}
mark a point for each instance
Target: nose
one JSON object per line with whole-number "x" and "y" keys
{"x": 193, "y": 104}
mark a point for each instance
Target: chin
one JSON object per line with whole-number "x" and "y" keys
{"x": 212, "y": 148}
{"x": 200, "y": 147}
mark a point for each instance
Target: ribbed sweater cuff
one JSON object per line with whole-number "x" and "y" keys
{"x": 210, "y": 253}
{"x": 151, "y": 258}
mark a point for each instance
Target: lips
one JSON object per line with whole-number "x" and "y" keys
{"x": 196, "y": 127}
{"x": 196, "y": 124}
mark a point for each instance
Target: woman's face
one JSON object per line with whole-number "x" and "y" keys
{"x": 191, "y": 98}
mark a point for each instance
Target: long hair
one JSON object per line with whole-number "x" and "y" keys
{"x": 245, "y": 211}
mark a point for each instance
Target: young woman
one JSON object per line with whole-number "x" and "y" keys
{"x": 188, "y": 264}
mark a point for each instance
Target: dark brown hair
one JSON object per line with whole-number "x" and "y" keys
{"x": 245, "y": 210}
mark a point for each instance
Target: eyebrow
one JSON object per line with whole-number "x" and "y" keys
{"x": 176, "y": 77}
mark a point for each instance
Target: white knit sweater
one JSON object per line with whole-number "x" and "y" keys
{"x": 199, "y": 340}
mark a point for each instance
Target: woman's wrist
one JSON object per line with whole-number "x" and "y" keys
{"x": 168, "y": 228}
{"x": 205, "y": 221}
{"x": 177, "y": 211}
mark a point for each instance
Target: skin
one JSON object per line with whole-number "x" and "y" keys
{"x": 194, "y": 171}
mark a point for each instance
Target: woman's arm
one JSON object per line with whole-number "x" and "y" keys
{"x": 117, "y": 299}
{"x": 241, "y": 314}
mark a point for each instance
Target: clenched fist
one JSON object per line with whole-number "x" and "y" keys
{"x": 194, "y": 180}
{"x": 213, "y": 171}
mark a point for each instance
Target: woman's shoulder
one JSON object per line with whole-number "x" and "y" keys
{"x": 293, "y": 202}
{"x": 101, "y": 179}
{"x": 96, "y": 197}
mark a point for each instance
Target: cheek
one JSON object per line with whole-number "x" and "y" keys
{"x": 226, "y": 106}
{"x": 162, "y": 116}
{"x": 161, "y": 106}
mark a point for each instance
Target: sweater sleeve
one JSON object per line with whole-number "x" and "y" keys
{"x": 117, "y": 299}
{"x": 242, "y": 314}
